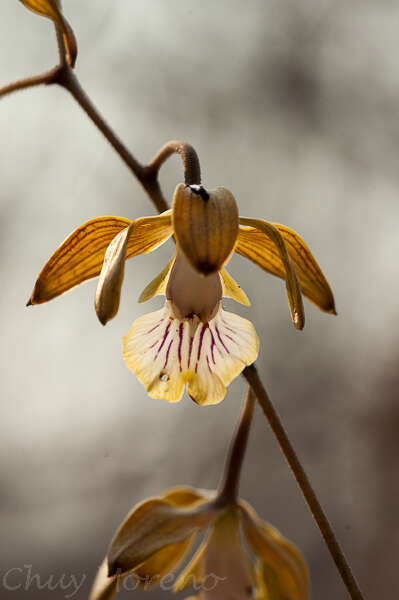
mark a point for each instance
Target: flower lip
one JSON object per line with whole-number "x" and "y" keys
{"x": 166, "y": 353}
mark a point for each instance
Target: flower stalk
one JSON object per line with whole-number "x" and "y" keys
{"x": 230, "y": 481}
{"x": 251, "y": 375}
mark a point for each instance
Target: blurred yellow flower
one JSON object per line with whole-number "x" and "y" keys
{"x": 156, "y": 536}
{"x": 191, "y": 341}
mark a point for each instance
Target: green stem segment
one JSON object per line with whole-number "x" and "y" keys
{"x": 252, "y": 377}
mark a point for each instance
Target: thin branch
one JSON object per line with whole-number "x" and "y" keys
{"x": 146, "y": 175}
{"x": 22, "y": 84}
{"x": 191, "y": 165}
{"x": 252, "y": 377}
{"x": 68, "y": 80}
{"x": 47, "y": 77}
{"x": 229, "y": 484}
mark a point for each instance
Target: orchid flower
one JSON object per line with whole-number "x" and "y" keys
{"x": 157, "y": 535}
{"x": 192, "y": 340}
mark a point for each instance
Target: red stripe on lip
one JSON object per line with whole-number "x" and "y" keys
{"x": 167, "y": 353}
{"x": 165, "y": 335}
{"x": 213, "y": 344}
{"x": 204, "y": 327}
{"x": 220, "y": 339}
{"x": 181, "y": 326}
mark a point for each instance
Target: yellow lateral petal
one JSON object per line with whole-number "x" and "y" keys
{"x": 158, "y": 285}
{"x": 49, "y": 9}
{"x": 256, "y": 246}
{"x": 151, "y": 526}
{"x": 231, "y": 289}
{"x": 80, "y": 257}
{"x": 277, "y": 556}
{"x": 205, "y": 225}
{"x": 292, "y": 285}
{"x": 109, "y": 285}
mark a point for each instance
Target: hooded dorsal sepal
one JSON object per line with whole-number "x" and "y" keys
{"x": 205, "y": 224}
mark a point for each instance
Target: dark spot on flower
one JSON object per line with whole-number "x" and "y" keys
{"x": 200, "y": 191}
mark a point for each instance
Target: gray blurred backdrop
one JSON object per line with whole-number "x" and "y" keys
{"x": 294, "y": 107}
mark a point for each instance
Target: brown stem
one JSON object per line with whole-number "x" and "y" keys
{"x": 252, "y": 377}
{"x": 191, "y": 165}
{"x": 146, "y": 175}
{"x": 22, "y": 84}
{"x": 68, "y": 80}
{"x": 229, "y": 484}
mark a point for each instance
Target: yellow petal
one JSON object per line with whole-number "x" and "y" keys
{"x": 193, "y": 572}
{"x": 104, "y": 587}
{"x": 205, "y": 225}
{"x": 281, "y": 563}
{"x": 267, "y": 583}
{"x": 168, "y": 558}
{"x": 49, "y": 9}
{"x": 292, "y": 286}
{"x": 221, "y": 567}
{"x": 151, "y": 571}
{"x": 256, "y": 246}
{"x": 151, "y": 526}
{"x": 81, "y": 255}
{"x": 165, "y": 353}
{"x": 109, "y": 285}
{"x": 157, "y": 285}
{"x": 186, "y": 496}
{"x": 231, "y": 289}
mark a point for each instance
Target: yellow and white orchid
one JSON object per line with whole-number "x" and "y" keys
{"x": 191, "y": 340}
{"x": 157, "y": 535}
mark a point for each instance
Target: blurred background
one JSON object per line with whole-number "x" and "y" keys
{"x": 294, "y": 107}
